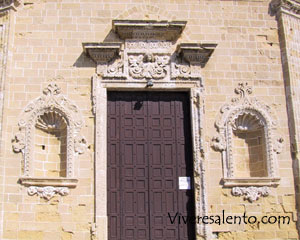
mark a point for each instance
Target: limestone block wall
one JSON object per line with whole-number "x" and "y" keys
{"x": 47, "y": 48}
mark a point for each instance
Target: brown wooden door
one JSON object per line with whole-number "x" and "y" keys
{"x": 149, "y": 148}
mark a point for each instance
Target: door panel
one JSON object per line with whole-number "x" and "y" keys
{"x": 149, "y": 148}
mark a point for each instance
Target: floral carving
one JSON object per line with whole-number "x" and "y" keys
{"x": 244, "y": 113}
{"x": 243, "y": 90}
{"x": 49, "y": 112}
{"x": 251, "y": 193}
{"x": 47, "y": 192}
{"x": 52, "y": 89}
{"x": 181, "y": 69}
{"x": 115, "y": 69}
{"x": 148, "y": 66}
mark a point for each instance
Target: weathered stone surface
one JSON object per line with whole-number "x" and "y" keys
{"x": 41, "y": 43}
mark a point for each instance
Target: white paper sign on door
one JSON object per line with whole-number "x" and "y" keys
{"x": 184, "y": 182}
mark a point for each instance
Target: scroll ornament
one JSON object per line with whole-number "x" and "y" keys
{"x": 251, "y": 193}
{"x": 47, "y": 192}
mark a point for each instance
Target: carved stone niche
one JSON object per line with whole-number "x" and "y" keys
{"x": 49, "y": 135}
{"x": 250, "y": 124}
{"x": 147, "y": 54}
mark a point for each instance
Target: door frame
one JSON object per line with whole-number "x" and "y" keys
{"x": 99, "y": 98}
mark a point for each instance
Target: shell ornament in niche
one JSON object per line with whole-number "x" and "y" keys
{"x": 51, "y": 121}
{"x": 247, "y": 122}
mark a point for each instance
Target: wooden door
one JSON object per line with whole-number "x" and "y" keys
{"x": 149, "y": 148}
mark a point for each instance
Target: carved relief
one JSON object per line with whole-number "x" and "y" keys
{"x": 47, "y": 192}
{"x": 148, "y": 66}
{"x": 149, "y": 59}
{"x": 251, "y": 193}
{"x": 181, "y": 69}
{"x": 241, "y": 115}
{"x": 51, "y": 112}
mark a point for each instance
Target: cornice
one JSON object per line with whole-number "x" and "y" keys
{"x": 287, "y": 6}
{"x": 196, "y": 52}
{"x": 149, "y": 29}
{"x": 102, "y": 52}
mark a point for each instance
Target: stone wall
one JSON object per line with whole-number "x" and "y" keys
{"x": 47, "y": 48}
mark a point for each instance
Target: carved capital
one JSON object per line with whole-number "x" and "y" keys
{"x": 47, "y": 192}
{"x": 251, "y": 194}
{"x": 288, "y": 6}
{"x": 6, "y": 5}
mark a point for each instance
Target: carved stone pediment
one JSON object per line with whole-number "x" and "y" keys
{"x": 139, "y": 29}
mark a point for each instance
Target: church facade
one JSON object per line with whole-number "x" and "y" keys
{"x": 170, "y": 119}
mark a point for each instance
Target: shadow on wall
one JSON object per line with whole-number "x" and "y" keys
{"x": 83, "y": 61}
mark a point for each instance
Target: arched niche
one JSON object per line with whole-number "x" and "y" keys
{"x": 246, "y": 138}
{"x": 49, "y": 139}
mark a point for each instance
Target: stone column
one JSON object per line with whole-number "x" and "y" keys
{"x": 287, "y": 13}
{"x": 7, "y": 9}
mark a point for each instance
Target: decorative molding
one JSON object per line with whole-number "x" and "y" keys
{"x": 6, "y": 5}
{"x": 196, "y": 53}
{"x": 55, "y": 182}
{"x": 286, "y": 6}
{"x": 102, "y": 52}
{"x": 148, "y": 29}
{"x": 245, "y": 113}
{"x": 143, "y": 60}
{"x": 147, "y": 66}
{"x": 60, "y": 110}
{"x": 250, "y": 181}
{"x": 251, "y": 194}
{"x": 47, "y": 192}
